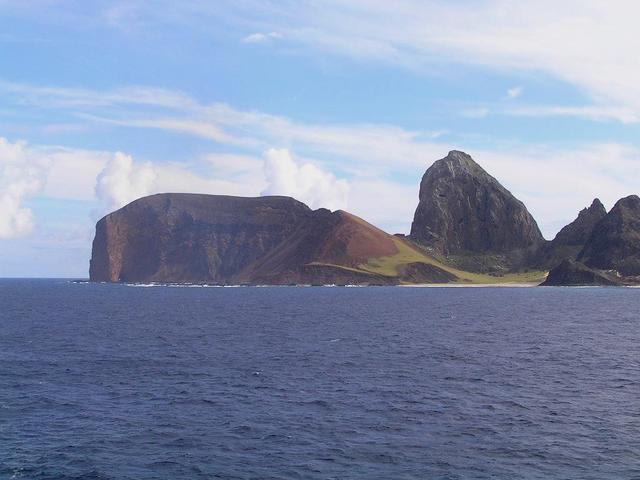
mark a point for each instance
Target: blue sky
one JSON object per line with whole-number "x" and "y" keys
{"x": 342, "y": 104}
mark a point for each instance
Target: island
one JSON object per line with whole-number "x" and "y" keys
{"x": 467, "y": 229}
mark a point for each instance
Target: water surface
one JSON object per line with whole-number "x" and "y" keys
{"x": 118, "y": 382}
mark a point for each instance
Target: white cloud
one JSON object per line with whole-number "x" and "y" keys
{"x": 72, "y": 172}
{"x": 121, "y": 181}
{"x": 563, "y": 178}
{"x": 22, "y": 175}
{"x": 304, "y": 182}
{"x": 514, "y": 92}
{"x": 259, "y": 37}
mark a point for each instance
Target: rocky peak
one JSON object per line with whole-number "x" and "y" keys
{"x": 578, "y": 231}
{"x": 627, "y": 207}
{"x": 615, "y": 241}
{"x": 459, "y": 163}
{"x": 463, "y": 209}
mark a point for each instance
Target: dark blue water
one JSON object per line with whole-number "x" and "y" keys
{"x": 117, "y": 382}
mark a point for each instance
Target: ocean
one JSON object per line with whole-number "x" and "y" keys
{"x": 102, "y": 381}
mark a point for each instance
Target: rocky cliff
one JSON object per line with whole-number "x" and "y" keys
{"x": 192, "y": 238}
{"x": 578, "y": 232}
{"x": 615, "y": 241}
{"x": 569, "y": 241}
{"x": 611, "y": 253}
{"x": 572, "y": 273}
{"x": 463, "y": 210}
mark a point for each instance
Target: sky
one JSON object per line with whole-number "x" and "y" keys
{"x": 341, "y": 104}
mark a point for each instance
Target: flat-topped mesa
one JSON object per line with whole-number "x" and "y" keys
{"x": 614, "y": 243}
{"x": 190, "y": 238}
{"x": 462, "y": 209}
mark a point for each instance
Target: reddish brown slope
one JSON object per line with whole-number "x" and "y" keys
{"x": 318, "y": 248}
{"x": 190, "y": 238}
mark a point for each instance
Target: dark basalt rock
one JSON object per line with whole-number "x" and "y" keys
{"x": 463, "y": 210}
{"x": 571, "y": 239}
{"x": 418, "y": 272}
{"x": 615, "y": 241}
{"x": 572, "y": 273}
{"x": 578, "y": 232}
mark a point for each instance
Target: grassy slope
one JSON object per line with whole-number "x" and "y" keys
{"x": 388, "y": 266}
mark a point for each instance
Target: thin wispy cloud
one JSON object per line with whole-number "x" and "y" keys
{"x": 514, "y": 93}
{"x": 259, "y": 37}
{"x": 565, "y": 39}
{"x": 597, "y": 113}
{"x": 480, "y": 112}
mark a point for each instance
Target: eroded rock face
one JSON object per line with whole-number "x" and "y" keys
{"x": 189, "y": 238}
{"x": 571, "y": 239}
{"x": 462, "y": 209}
{"x": 615, "y": 241}
{"x": 578, "y": 232}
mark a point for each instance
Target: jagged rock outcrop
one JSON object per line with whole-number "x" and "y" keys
{"x": 571, "y": 239}
{"x": 611, "y": 253}
{"x": 578, "y": 232}
{"x": 190, "y": 238}
{"x": 572, "y": 273}
{"x": 614, "y": 243}
{"x": 464, "y": 210}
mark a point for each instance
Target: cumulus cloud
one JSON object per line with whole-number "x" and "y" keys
{"x": 21, "y": 176}
{"x": 305, "y": 182}
{"x": 259, "y": 37}
{"x": 122, "y": 181}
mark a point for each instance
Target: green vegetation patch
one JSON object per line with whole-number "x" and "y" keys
{"x": 388, "y": 266}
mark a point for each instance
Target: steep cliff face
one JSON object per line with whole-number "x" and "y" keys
{"x": 190, "y": 238}
{"x": 578, "y": 232}
{"x": 615, "y": 241}
{"x": 464, "y": 210}
{"x": 232, "y": 240}
{"x": 569, "y": 241}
